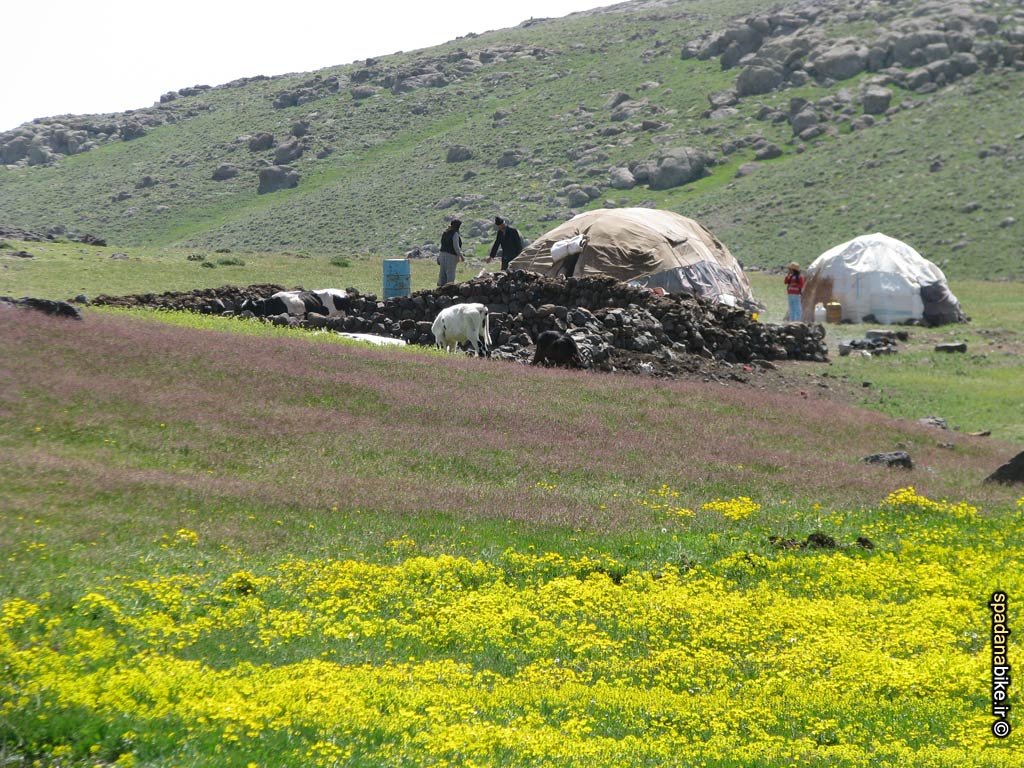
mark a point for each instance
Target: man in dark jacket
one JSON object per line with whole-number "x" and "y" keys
{"x": 508, "y": 240}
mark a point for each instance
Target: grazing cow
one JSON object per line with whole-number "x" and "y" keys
{"x": 557, "y": 348}
{"x": 463, "y": 322}
{"x": 299, "y": 303}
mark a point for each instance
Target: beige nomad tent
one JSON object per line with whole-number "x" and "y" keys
{"x": 880, "y": 279}
{"x": 644, "y": 247}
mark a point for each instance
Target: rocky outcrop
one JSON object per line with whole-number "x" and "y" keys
{"x": 309, "y": 91}
{"x": 672, "y": 168}
{"x": 937, "y": 42}
{"x": 46, "y": 140}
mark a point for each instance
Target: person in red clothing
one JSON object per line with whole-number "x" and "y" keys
{"x": 794, "y": 289}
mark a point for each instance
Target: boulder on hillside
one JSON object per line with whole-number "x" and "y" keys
{"x": 457, "y": 153}
{"x": 804, "y": 119}
{"x": 39, "y": 154}
{"x": 261, "y": 142}
{"x": 277, "y": 177}
{"x": 509, "y": 158}
{"x": 676, "y": 167}
{"x": 628, "y": 110}
{"x": 132, "y": 130}
{"x": 876, "y": 99}
{"x": 756, "y": 80}
{"x": 14, "y": 150}
{"x": 621, "y": 178}
{"x": 840, "y": 62}
{"x": 224, "y": 172}
{"x": 361, "y": 92}
{"x": 288, "y": 152}
{"x": 620, "y": 97}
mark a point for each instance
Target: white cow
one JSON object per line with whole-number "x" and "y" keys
{"x": 462, "y": 322}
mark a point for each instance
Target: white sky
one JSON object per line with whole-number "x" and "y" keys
{"x": 66, "y": 57}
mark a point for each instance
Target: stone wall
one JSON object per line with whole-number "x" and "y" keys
{"x": 606, "y": 317}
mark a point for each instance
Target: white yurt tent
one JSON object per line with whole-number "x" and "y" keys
{"x": 881, "y": 277}
{"x": 641, "y": 246}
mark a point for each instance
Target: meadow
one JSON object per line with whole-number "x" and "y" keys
{"x": 232, "y": 545}
{"x": 228, "y": 545}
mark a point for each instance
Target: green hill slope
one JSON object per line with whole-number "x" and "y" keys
{"x": 552, "y": 115}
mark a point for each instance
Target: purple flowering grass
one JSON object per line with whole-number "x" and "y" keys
{"x": 130, "y": 405}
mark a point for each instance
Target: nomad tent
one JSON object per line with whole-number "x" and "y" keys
{"x": 644, "y": 247}
{"x": 879, "y": 279}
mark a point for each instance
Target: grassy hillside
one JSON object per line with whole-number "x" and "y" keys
{"x": 222, "y": 549}
{"x": 375, "y": 177}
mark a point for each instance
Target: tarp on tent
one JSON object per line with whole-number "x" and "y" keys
{"x": 881, "y": 277}
{"x": 641, "y": 246}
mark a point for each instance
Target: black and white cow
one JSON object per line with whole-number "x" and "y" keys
{"x": 335, "y": 300}
{"x": 557, "y": 348}
{"x": 298, "y": 303}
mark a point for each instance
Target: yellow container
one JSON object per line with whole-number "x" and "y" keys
{"x": 833, "y": 312}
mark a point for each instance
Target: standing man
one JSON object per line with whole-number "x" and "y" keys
{"x": 508, "y": 240}
{"x": 451, "y": 253}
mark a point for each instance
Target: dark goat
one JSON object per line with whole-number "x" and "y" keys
{"x": 557, "y": 348}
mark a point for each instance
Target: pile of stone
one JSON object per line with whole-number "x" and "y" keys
{"x": 614, "y": 324}
{"x": 876, "y": 342}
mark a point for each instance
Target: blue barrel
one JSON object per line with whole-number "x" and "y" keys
{"x": 397, "y": 278}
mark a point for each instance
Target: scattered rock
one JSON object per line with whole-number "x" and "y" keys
{"x": 890, "y": 459}
{"x": 952, "y": 347}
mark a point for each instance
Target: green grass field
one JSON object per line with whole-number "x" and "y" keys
{"x": 231, "y": 544}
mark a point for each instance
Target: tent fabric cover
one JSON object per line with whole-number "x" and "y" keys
{"x": 883, "y": 277}
{"x": 645, "y": 247}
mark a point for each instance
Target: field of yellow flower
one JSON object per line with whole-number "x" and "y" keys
{"x": 851, "y": 656}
